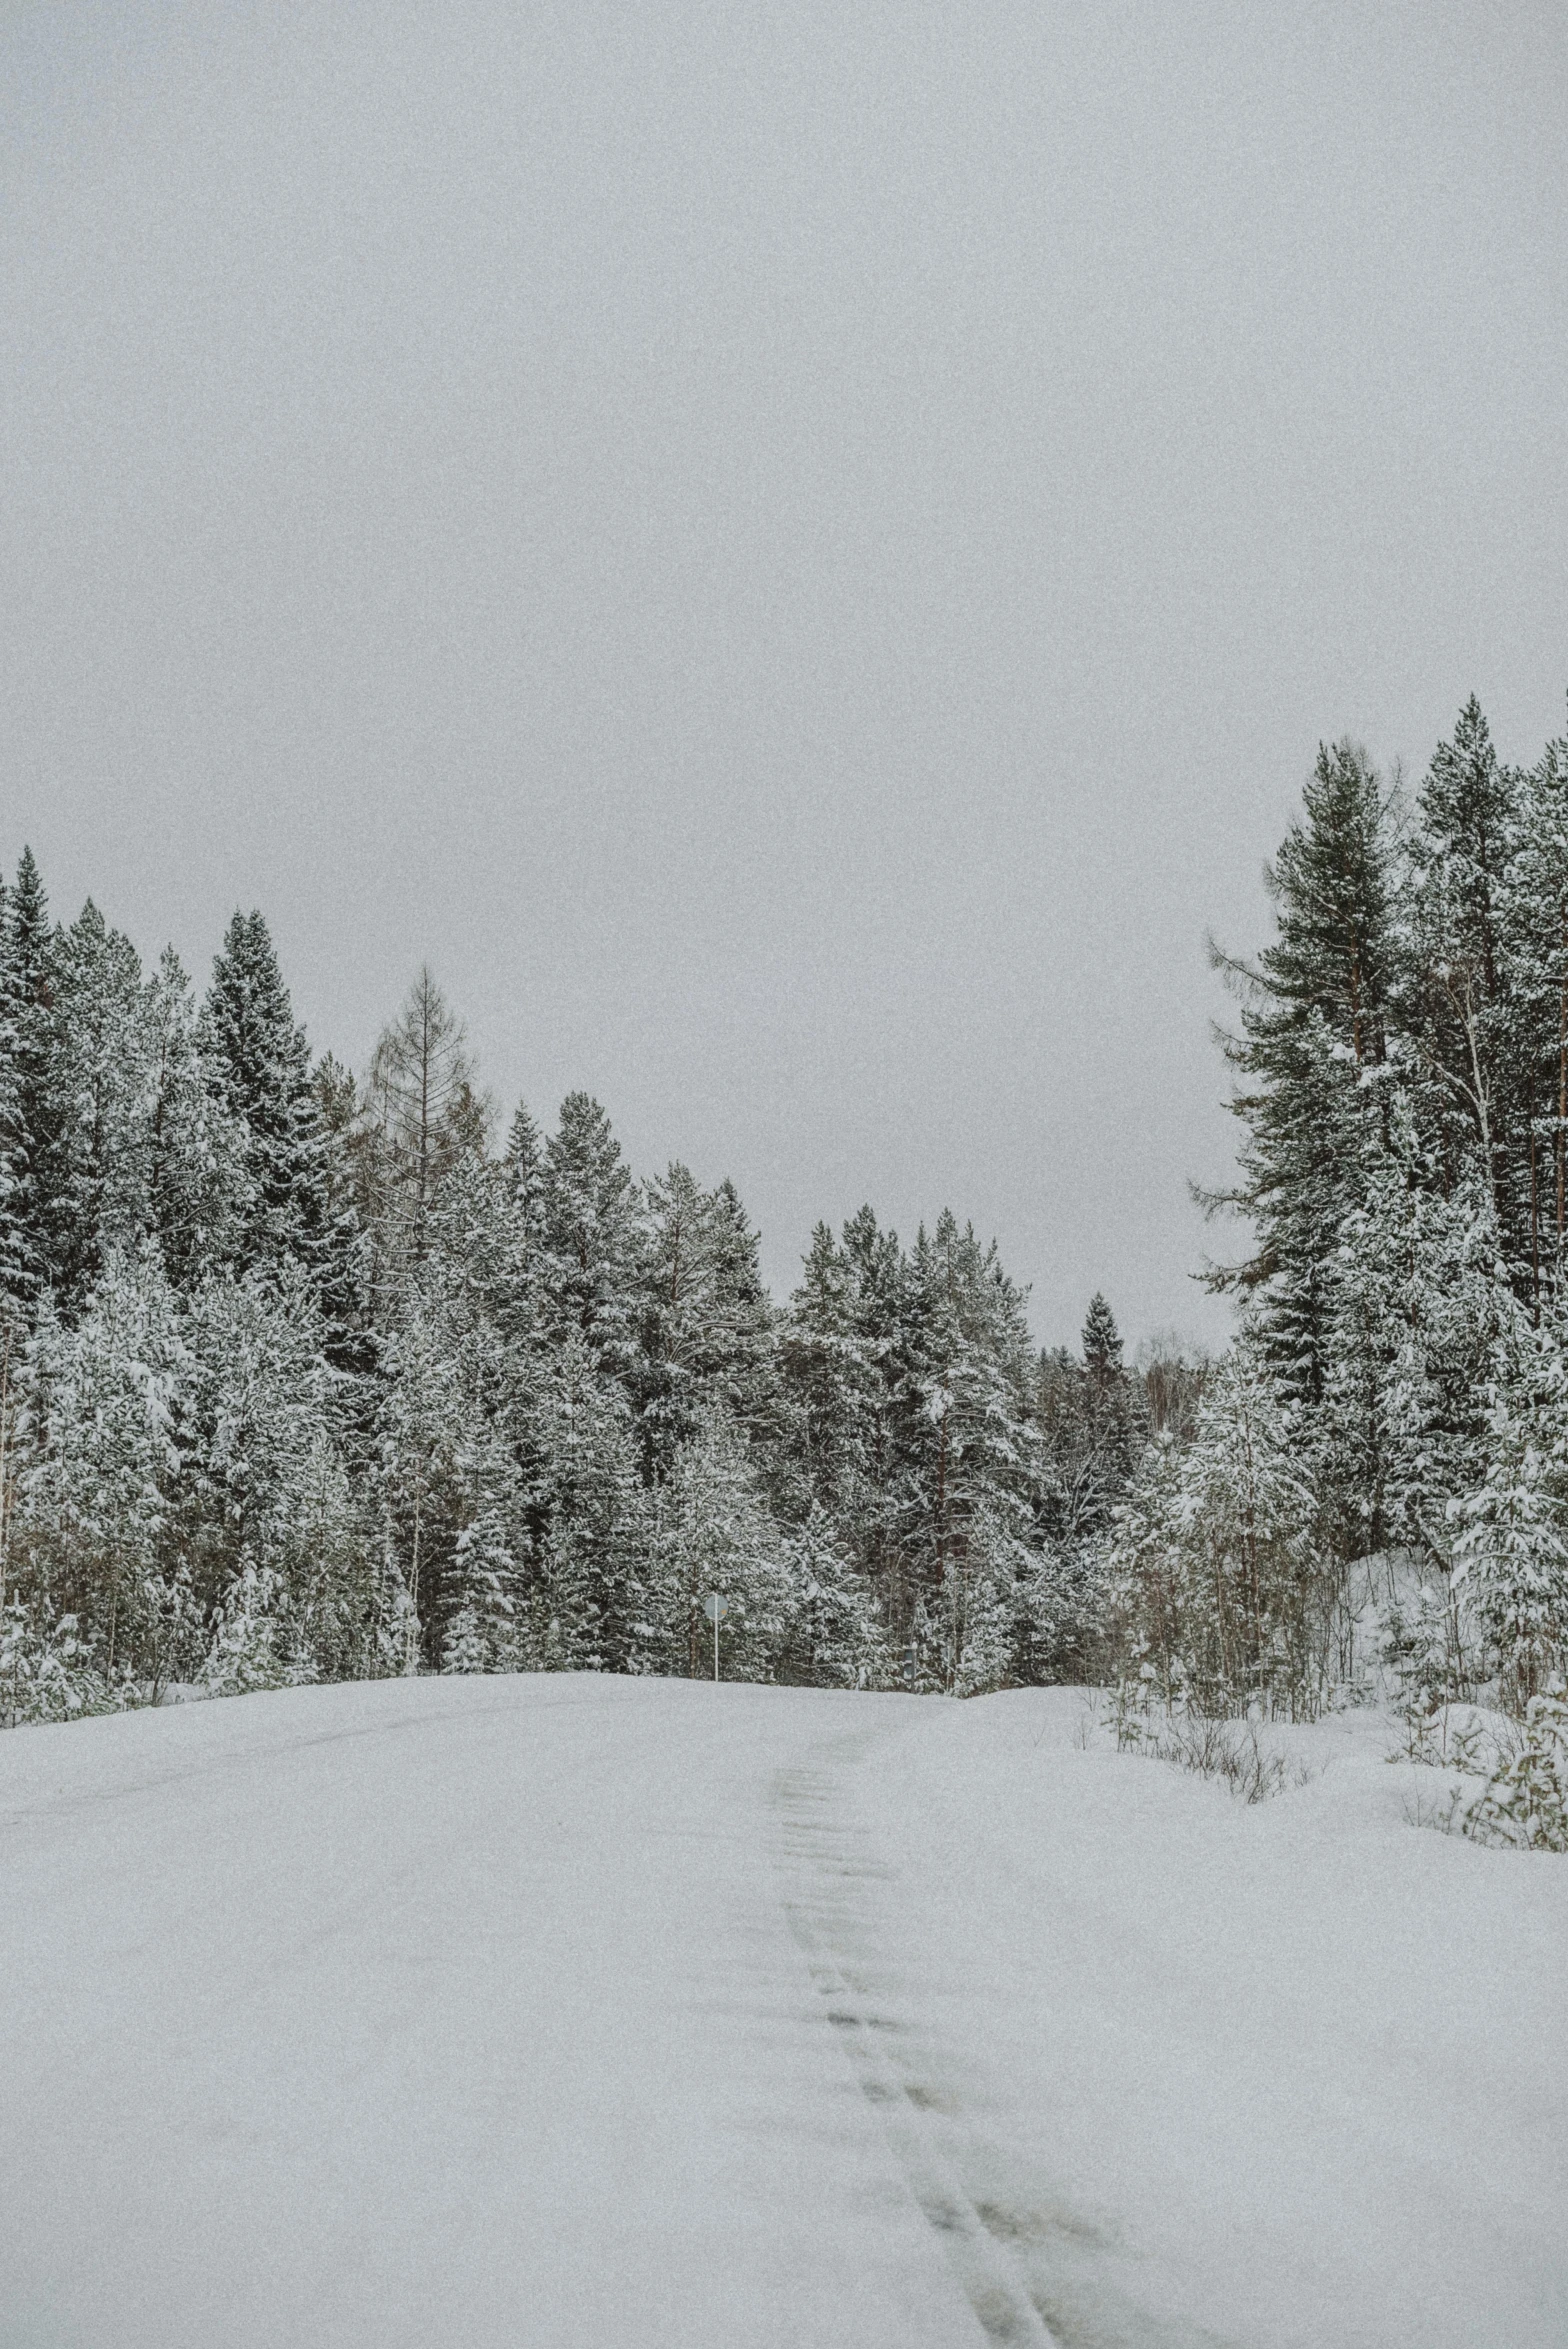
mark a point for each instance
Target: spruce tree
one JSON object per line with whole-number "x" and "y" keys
{"x": 1309, "y": 1058}
{"x": 972, "y": 1445}
{"x": 483, "y": 1627}
{"x": 1109, "y": 1415}
{"x": 588, "y": 1276}
{"x": 705, "y": 1319}
{"x": 524, "y": 1176}
{"x": 1533, "y": 944}
{"x": 261, "y": 1068}
{"x": 715, "y": 1535}
{"x": 193, "y": 1149}
{"x": 590, "y": 1520}
{"x": 852, "y": 1393}
{"x": 1461, "y": 1015}
{"x": 98, "y": 1077}
{"x": 33, "y": 1111}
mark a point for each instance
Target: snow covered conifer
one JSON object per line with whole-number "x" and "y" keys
{"x": 705, "y": 1323}
{"x": 974, "y": 1445}
{"x": 106, "y": 1398}
{"x": 261, "y": 1065}
{"x": 1215, "y": 1559}
{"x": 523, "y": 1178}
{"x": 31, "y": 1110}
{"x": 1469, "y": 805}
{"x": 1102, "y": 1344}
{"x": 194, "y": 1150}
{"x": 1511, "y": 1558}
{"x": 836, "y": 1635}
{"x": 1533, "y": 943}
{"x": 588, "y": 1553}
{"x": 484, "y": 1628}
{"x": 423, "y": 1428}
{"x": 716, "y": 1534}
{"x": 1315, "y": 1023}
{"x": 99, "y": 1053}
{"x": 589, "y": 1270}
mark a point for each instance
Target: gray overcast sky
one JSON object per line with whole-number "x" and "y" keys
{"x": 800, "y": 555}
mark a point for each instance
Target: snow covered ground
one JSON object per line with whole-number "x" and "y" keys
{"x": 575, "y": 2011}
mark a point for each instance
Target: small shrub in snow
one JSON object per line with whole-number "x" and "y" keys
{"x": 1208, "y": 1746}
{"x": 1524, "y": 1803}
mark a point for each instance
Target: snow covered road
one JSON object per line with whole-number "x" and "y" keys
{"x": 569, "y": 2011}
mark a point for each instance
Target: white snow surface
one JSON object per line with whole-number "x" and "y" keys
{"x": 562, "y": 2011}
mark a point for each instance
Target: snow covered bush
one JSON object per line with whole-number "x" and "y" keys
{"x": 47, "y": 1674}
{"x": 255, "y": 1645}
{"x": 1231, "y": 1751}
{"x": 1524, "y": 1802}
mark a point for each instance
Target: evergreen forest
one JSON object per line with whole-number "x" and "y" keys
{"x": 309, "y": 1373}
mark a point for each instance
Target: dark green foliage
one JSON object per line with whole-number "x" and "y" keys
{"x": 261, "y": 1066}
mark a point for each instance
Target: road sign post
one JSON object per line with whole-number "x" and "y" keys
{"x": 713, "y": 1607}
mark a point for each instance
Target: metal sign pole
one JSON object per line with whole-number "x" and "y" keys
{"x": 713, "y": 1607}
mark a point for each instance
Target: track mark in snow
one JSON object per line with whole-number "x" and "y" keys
{"x": 1035, "y": 2271}
{"x": 818, "y": 1848}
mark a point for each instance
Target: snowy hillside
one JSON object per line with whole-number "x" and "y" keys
{"x": 562, "y": 2011}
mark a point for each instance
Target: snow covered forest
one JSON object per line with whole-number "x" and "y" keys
{"x": 308, "y": 1374}
{"x": 305, "y": 1376}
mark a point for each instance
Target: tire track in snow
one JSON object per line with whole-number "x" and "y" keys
{"x": 818, "y": 1849}
{"x": 1037, "y": 2273}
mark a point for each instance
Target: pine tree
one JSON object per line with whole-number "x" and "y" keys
{"x": 588, "y": 1275}
{"x": 589, "y": 1539}
{"x": 259, "y": 1411}
{"x": 261, "y": 1068}
{"x": 192, "y": 1150}
{"x": 1462, "y": 1014}
{"x": 705, "y": 1320}
{"x": 32, "y": 1142}
{"x": 973, "y": 1446}
{"x": 836, "y": 1637}
{"x": 1314, "y": 1042}
{"x": 13, "y": 1271}
{"x": 99, "y": 1074}
{"x": 1533, "y": 944}
{"x": 328, "y": 1565}
{"x": 483, "y": 1628}
{"x": 423, "y": 1428}
{"x": 1512, "y": 1552}
{"x": 852, "y": 1395}
{"x": 253, "y": 1646}
{"x": 345, "y": 1270}
{"x": 715, "y": 1536}
{"x": 523, "y": 1171}
{"x": 1416, "y": 1307}
{"x": 1110, "y": 1419}
{"x": 105, "y": 1402}
{"x": 1256, "y": 1598}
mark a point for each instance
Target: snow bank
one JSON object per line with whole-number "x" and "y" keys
{"x": 569, "y": 2010}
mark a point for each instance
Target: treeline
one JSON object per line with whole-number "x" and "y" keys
{"x": 307, "y": 1374}
{"x": 312, "y": 1375}
{"x": 1379, "y": 1476}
